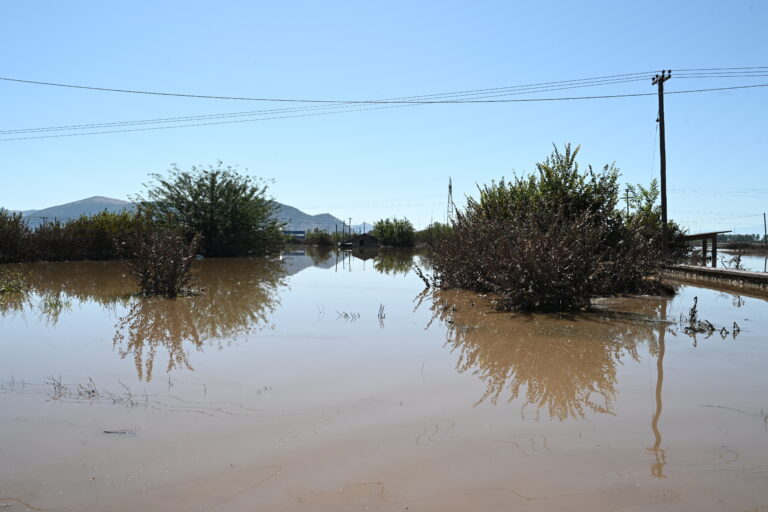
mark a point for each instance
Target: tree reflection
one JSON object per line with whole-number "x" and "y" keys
{"x": 565, "y": 365}
{"x": 238, "y": 297}
{"x": 393, "y": 261}
{"x": 103, "y": 282}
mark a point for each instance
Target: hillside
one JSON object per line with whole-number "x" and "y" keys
{"x": 67, "y": 211}
{"x": 295, "y": 219}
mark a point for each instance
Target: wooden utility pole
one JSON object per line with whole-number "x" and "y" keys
{"x": 659, "y": 81}
{"x": 765, "y": 233}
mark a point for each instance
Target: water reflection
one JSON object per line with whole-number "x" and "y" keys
{"x": 103, "y": 282}
{"x": 394, "y": 261}
{"x": 657, "y": 467}
{"x": 565, "y": 366}
{"x": 385, "y": 261}
{"x": 238, "y": 297}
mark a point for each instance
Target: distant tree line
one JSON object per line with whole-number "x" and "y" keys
{"x": 227, "y": 212}
{"x": 741, "y": 238}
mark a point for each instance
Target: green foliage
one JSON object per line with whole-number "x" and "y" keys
{"x": 550, "y": 241}
{"x": 86, "y": 238}
{"x": 13, "y": 237}
{"x": 318, "y": 237}
{"x": 433, "y": 234}
{"x": 645, "y": 216}
{"x": 230, "y": 210}
{"x": 394, "y": 232}
{"x": 558, "y": 190}
{"x": 742, "y": 238}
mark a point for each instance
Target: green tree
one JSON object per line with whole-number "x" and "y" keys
{"x": 645, "y": 216}
{"x": 230, "y": 210}
{"x": 14, "y": 234}
{"x": 396, "y": 232}
{"x": 434, "y": 233}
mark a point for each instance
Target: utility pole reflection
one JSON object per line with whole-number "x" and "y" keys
{"x": 657, "y": 468}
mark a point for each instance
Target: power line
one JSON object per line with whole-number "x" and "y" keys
{"x": 721, "y": 69}
{"x": 290, "y": 100}
{"x": 392, "y": 104}
{"x": 702, "y": 71}
{"x": 479, "y": 94}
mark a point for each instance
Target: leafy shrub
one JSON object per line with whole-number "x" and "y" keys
{"x": 14, "y": 234}
{"x": 394, "y": 232}
{"x": 159, "y": 258}
{"x": 645, "y": 216}
{"x": 549, "y": 242}
{"x": 86, "y": 238}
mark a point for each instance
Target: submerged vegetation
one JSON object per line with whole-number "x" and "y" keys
{"x": 213, "y": 210}
{"x": 159, "y": 259}
{"x": 12, "y": 282}
{"x": 551, "y": 241}
{"x": 87, "y": 238}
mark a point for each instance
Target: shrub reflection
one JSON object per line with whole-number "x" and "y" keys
{"x": 238, "y": 296}
{"x": 564, "y": 365}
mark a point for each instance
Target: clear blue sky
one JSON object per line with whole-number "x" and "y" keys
{"x": 377, "y": 163}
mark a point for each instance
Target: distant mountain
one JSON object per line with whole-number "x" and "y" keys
{"x": 68, "y": 211}
{"x": 297, "y": 220}
{"x": 294, "y": 219}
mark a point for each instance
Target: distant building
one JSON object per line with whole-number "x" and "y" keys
{"x": 300, "y": 235}
{"x": 364, "y": 241}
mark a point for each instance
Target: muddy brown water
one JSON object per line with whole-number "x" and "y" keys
{"x": 327, "y": 382}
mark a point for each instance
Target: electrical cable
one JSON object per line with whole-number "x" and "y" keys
{"x": 518, "y": 100}
{"x": 290, "y": 100}
{"x": 283, "y": 110}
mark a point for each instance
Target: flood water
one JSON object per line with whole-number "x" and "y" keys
{"x": 327, "y": 382}
{"x": 753, "y": 262}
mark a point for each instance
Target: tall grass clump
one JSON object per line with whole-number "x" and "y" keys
{"x": 550, "y": 241}
{"x": 159, "y": 258}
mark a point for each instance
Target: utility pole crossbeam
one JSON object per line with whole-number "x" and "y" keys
{"x": 659, "y": 80}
